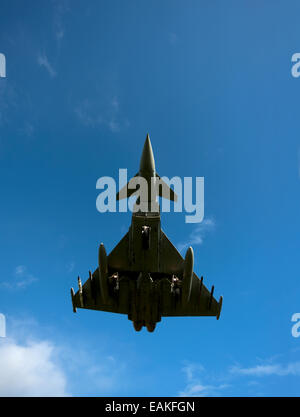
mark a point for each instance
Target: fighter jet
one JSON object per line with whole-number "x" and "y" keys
{"x": 144, "y": 276}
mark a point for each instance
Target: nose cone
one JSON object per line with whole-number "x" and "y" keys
{"x": 147, "y": 164}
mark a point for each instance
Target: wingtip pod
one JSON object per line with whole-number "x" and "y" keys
{"x": 220, "y": 307}
{"x": 187, "y": 274}
{"x": 189, "y": 256}
{"x": 102, "y": 258}
{"x": 73, "y": 300}
{"x": 79, "y": 284}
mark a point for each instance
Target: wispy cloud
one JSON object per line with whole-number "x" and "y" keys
{"x": 115, "y": 104}
{"x": 61, "y": 7}
{"x": 28, "y": 129}
{"x": 85, "y": 113}
{"x": 236, "y": 379}
{"x": 25, "y": 278}
{"x": 44, "y": 62}
{"x": 199, "y": 390}
{"x": 195, "y": 375}
{"x": 70, "y": 267}
{"x": 16, "y": 109}
{"x": 62, "y": 241}
{"x": 21, "y": 279}
{"x": 88, "y": 114}
{"x": 8, "y": 100}
{"x": 20, "y": 270}
{"x": 292, "y": 368}
{"x": 173, "y": 38}
{"x": 198, "y": 234}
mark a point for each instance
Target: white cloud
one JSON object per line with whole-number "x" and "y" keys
{"x": 85, "y": 114}
{"x": 195, "y": 374}
{"x": 44, "y": 62}
{"x": 235, "y": 380}
{"x": 173, "y": 38}
{"x": 33, "y": 366}
{"x": 60, "y": 9}
{"x": 21, "y": 278}
{"x": 24, "y": 277}
{"x": 292, "y": 368}
{"x": 113, "y": 126}
{"x": 30, "y": 370}
{"x": 28, "y": 129}
{"x": 12, "y": 104}
{"x": 198, "y": 234}
{"x": 88, "y": 113}
{"x": 115, "y": 103}
{"x": 8, "y": 99}
{"x": 199, "y": 390}
{"x": 20, "y": 270}
{"x": 70, "y": 267}
{"x": 190, "y": 368}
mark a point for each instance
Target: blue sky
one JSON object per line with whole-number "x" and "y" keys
{"x": 211, "y": 82}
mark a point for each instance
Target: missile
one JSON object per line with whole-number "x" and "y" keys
{"x": 187, "y": 275}
{"x": 211, "y": 296}
{"x": 80, "y": 292}
{"x": 220, "y": 307}
{"x": 201, "y": 284}
{"x": 79, "y": 285}
{"x": 73, "y": 299}
{"x": 103, "y": 271}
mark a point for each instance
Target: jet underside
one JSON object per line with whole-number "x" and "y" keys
{"x": 144, "y": 276}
